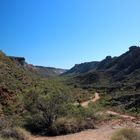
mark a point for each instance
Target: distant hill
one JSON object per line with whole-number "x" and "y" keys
{"x": 38, "y": 70}
{"x": 116, "y": 69}
{"x": 45, "y": 71}
{"x": 117, "y": 76}
{"x": 82, "y": 68}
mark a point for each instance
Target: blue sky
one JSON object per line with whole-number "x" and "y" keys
{"x": 62, "y": 33}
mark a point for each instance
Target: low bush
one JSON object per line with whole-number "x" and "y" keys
{"x": 7, "y": 139}
{"x": 14, "y": 134}
{"x": 4, "y": 122}
{"x": 63, "y": 126}
{"x": 126, "y": 134}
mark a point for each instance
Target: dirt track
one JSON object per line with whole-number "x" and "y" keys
{"x": 96, "y": 98}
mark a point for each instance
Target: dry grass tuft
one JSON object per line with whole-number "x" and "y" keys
{"x": 126, "y": 134}
{"x": 14, "y": 134}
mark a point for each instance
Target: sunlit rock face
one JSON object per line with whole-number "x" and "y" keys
{"x": 20, "y": 60}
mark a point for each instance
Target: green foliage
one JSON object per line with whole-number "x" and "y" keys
{"x": 14, "y": 134}
{"x": 126, "y": 134}
{"x": 41, "y": 105}
{"x": 66, "y": 125}
{"x": 12, "y": 75}
{"x": 44, "y": 110}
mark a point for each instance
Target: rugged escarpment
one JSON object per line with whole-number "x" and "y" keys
{"x": 117, "y": 69}
{"x": 20, "y": 60}
{"x": 45, "y": 71}
{"x": 38, "y": 70}
{"x": 82, "y": 68}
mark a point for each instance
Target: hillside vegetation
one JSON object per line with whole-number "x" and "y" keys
{"x": 40, "y": 105}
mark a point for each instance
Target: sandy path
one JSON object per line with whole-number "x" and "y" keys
{"x": 120, "y": 115}
{"x": 96, "y": 98}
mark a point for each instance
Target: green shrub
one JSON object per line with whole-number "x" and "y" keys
{"x": 63, "y": 126}
{"x": 126, "y": 134}
{"x": 15, "y": 134}
{"x": 7, "y": 139}
{"x": 4, "y": 122}
{"x": 43, "y": 110}
{"x": 73, "y": 119}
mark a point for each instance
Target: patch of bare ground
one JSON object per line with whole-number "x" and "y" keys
{"x": 96, "y": 98}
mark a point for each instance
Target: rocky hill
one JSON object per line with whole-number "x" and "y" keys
{"x": 117, "y": 69}
{"x": 117, "y": 76}
{"x": 45, "y": 71}
{"x": 82, "y": 68}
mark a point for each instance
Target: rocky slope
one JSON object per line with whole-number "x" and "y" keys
{"x": 117, "y": 69}
{"x": 12, "y": 75}
{"x": 82, "y": 68}
{"x": 45, "y": 71}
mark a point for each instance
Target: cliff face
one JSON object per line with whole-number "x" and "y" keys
{"x": 37, "y": 70}
{"x": 45, "y": 71}
{"x": 20, "y": 60}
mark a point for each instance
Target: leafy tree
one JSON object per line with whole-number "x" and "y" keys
{"x": 43, "y": 110}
